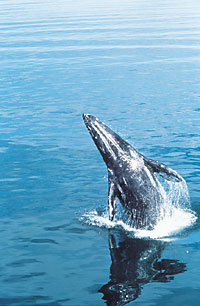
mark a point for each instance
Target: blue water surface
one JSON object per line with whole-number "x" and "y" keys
{"x": 136, "y": 66}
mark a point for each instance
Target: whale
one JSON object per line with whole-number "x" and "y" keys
{"x": 132, "y": 178}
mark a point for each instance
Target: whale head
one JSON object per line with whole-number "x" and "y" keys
{"x": 111, "y": 146}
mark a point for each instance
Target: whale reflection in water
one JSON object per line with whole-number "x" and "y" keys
{"x": 136, "y": 262}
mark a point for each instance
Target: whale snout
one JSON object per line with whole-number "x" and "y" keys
{"x": 85, "y": 116}
{"x": 89, "y": 119}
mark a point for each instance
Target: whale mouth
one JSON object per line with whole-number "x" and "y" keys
{"x": 107, "y": 141}
{"x": 85, "y": 116}
{"x": 88, "y": 119}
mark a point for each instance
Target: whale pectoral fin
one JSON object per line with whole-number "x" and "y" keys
{"x": 112, "y": 194}
{"x": 163, "y": 170}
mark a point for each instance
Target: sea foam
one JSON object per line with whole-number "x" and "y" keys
{"x": 175, "y": 214}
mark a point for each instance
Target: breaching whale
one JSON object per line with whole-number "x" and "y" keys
{"x": 132, "y": 177}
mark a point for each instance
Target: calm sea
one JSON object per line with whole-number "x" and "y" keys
{"x": 135, "y": 64}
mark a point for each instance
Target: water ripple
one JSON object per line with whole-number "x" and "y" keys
{"x": 135, "y": 64}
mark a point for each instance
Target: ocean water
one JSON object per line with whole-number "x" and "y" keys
{"x": 136, "y": 66}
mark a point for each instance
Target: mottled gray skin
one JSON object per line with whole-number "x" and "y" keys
{"x": 131, "y": 176}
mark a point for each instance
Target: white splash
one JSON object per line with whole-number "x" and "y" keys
{"x": 175, "y": 214}
{"x": 165, "y": 229}
{"x": 170, "y": 225}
